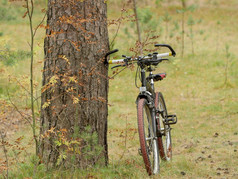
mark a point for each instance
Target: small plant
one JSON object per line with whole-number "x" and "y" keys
{"x": 6, "y": 14}
{"x": 175, "y": 29}
{"x": 218, "y": 35}
{"x": 182, "y": 11}
{"x": 228, "y": 57}
{"x": 9, "y": 57}
{"x": 146, "y": 17}
{"x": 158, "y": 3}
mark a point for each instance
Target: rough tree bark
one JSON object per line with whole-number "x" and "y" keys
{"x": 73, "y": 126}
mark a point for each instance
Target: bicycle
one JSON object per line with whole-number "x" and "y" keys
{"x": 153, "y": 120}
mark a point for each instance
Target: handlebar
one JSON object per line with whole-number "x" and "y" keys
{"x": 151, "y": 57}
{"x": 159, "y": 56}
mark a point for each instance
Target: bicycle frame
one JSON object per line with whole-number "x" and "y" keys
{"x": 147, "y": 87}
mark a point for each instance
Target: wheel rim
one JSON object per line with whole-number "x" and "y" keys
{"x": 165, "y": 143}
{"x": 151, "y": 145}
{"x": 148, "y": 142}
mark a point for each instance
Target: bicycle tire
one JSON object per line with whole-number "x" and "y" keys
{"x": 148, "y": 142}
{"x": 164, "y": 141}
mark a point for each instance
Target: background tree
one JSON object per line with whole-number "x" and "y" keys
{"x": 191, "y": 23}
{"x": 183, "y": 31}
{"x": 74, "y": 94}
{"x": 137, "y": 25}
{"x": 166, "y": 19}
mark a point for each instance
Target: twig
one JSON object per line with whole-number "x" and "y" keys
{"x": 118, "y": 72}
{"x": 39, "y": 25}
{"x": 25, "y": 89}
{"x": 118, "y": 27}
{"x": 125, "y": 142}
{"x": 4, "y": 151}
{"x": 23, "y": 117}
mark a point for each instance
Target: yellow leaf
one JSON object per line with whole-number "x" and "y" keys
{"x": 53, "y": 79}
{"x": 75, "y": 100}
{"x": 64, "y": 156}
{"x": 64, "y": 57}
{"x": 66, "y": 143}
{"x": 58, "y": 143}
{"x": 46, "y": 104}
{"x": 72, "y": 79}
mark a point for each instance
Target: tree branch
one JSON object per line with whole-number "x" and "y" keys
{"x": 23, "y": 117}
{"x": 4, "y": 151}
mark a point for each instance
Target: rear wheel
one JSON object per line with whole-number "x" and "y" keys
{"x": 164, "y": 140}
{"x": 148, "y": 141}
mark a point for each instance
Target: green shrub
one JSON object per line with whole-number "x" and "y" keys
{"x": 147, "y": 19}
{"x": 7, "y": 14}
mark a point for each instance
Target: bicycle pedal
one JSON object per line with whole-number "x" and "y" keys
{"x": 139, "y": 151}
{"x": 171, "y": 119}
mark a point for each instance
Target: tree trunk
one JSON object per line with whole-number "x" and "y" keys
{"x": 73, "y": 126}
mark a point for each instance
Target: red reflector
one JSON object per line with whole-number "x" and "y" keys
{"x": 163, "y": 75}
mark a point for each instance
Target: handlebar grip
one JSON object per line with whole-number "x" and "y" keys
{"x": 168, "y": 46}
{"x": 109, "y": 53}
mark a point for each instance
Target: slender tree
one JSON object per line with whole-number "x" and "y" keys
{"x": 29, "y": 5}
{"x": 137, "y": 26}
{"x": 191, "y": 23}
{"x": 73, "y": 124}
{"x": 183, "y": 31}
{"x": 166, "y": 19}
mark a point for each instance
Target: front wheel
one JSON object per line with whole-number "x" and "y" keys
{"x": 164, "y": 140}
{"x": 147, "y": 137}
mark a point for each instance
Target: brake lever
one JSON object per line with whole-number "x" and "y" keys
{"x": 164, "y": 59}
{"x": 118, "y": 66}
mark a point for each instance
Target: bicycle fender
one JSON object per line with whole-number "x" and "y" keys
{"x": 145, "y": 95}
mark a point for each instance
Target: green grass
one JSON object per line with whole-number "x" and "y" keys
{"x": 204, "y": 139}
